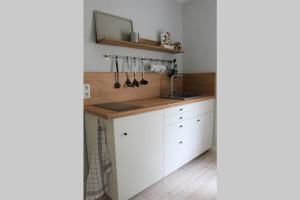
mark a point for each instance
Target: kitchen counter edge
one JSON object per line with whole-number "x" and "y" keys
{"x": 149, "y": 105}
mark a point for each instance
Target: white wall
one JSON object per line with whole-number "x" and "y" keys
{"x": 200, "y": 40}
{"x": 200, "y": 36}
{"x": 149, "y": 18}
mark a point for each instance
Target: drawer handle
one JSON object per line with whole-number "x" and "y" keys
{"x": 181, "y": 109}
{"x": 198, "y": 120}
{"x": 180, "y": 126}
{"x": 180, "y": 117}
{"x": 180, "y": 142}
{"x": 125, "y": 134}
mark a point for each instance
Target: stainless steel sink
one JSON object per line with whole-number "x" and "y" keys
{"x": 173, "y": 94}
{"x": 183, "y": 97}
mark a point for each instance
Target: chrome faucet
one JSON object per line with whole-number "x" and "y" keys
{"x": 173, "y": 90}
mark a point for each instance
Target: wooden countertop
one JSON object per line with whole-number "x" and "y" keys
{"x": 148, "y": 105}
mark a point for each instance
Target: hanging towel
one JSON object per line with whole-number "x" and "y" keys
{"x": 157, "y": 68}
{"x": 100, "y": 167}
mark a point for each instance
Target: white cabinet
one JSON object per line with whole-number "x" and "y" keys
{"x": 146, "y": 147}
{"x": 187, "y": 138}
{"x": 200, "y": 136}
{"x": 192, "y": 139}
{"x": 206, "y": 126}
{"x": 173, "y": 148}
{"x": 139, "y": 152}
{"x": 135, "y": 145}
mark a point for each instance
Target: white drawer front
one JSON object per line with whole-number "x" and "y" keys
{"x": 179, "y": 118}
{"x": 177, "y": 110}
{"x": 203, "y": 107}
{"x": 181, "y": 113}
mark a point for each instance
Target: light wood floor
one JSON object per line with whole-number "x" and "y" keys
{"x": 196, "y": 180}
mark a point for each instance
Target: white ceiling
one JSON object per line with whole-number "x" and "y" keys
{"x": 182, "y": 1}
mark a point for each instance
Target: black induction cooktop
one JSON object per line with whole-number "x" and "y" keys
{"x": 118, "y": 106}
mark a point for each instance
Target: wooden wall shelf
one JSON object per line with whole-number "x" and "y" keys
{"x": 141, "y": 45}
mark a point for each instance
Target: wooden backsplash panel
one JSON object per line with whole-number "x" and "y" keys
{"x": 102, "y": 90}
{"x": 200, "y": 83}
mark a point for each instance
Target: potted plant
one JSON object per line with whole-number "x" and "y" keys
{"x": 173, "y": 70}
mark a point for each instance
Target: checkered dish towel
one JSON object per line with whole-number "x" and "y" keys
{"x": 96, "y": 184}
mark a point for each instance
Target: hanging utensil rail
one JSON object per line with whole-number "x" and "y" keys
{"x": 107, "y": 56}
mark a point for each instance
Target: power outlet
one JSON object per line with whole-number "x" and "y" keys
{"x": 86, "y": 91}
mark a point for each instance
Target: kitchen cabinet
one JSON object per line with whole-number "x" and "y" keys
{"x": 173, "y": 148}
{"x": 146, "y": 147}
{"x": 205, "y": 128}
{"x": 190, "y": 134}
{"x": 139, "y": 152}
{"x": 135, "y": 145}
{"x": 200, "y": 137}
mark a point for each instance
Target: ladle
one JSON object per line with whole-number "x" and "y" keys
{"x": 143, "y": 81}
{"x": 128, "y": 82}
{"x": 117, "y": 83}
